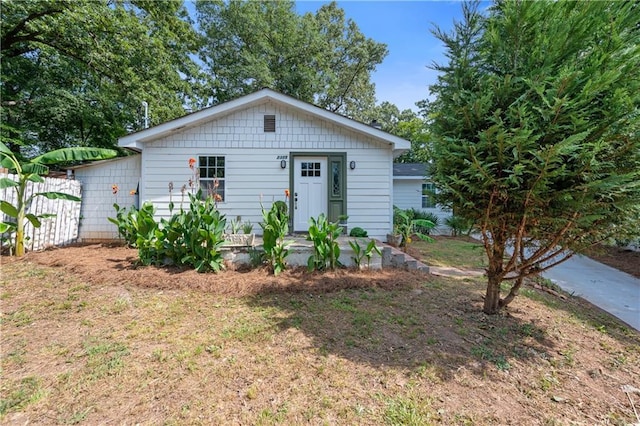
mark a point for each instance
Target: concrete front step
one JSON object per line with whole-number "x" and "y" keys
{"x": 300, "y": 250}
{"x": 394, "y": 258}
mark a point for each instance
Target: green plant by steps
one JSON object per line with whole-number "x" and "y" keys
{"x": 358, "y": 232}
{"x": 275, "y": 226}
{"x": 407, "y": 228}
{"x": 359, "y": 253}
{"x": 32, "y": 171}
{"x": 421, "y": 214}
{"x": 326, "y": 250}
{"x": 247, "y": 227}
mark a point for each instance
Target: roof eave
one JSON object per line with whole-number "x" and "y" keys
{"x": 137, "y": 140}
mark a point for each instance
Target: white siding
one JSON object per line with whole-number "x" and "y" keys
{"x": 407, "y": 194}
{"x": 97, "y": 197}
{"x": 253, "y": 169}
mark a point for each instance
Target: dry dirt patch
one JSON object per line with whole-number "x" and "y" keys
{"x": 90, "y": 337}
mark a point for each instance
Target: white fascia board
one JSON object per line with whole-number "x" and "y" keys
{"x": 422, "y": 178}
{"x": 137, "y": 140}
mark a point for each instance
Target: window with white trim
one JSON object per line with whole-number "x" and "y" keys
{"x": 212, "y": 176}
{"x": 428, "y": 191}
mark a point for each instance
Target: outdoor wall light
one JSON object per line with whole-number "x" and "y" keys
{"x": 352, "y": 165}
{"x": 283, "y": 164}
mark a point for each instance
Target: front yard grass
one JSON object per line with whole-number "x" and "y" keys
{"x": 81, "y": 350}
{"x": 454, "y": 252}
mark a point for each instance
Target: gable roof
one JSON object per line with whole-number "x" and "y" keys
{"x": 136, "y": 141}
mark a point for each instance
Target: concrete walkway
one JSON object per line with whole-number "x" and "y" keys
{"x": 611, "y": 290}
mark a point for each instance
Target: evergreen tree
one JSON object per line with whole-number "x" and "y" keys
{"x": 536, "y": 130}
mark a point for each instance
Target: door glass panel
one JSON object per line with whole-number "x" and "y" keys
{"x": 335, "y": 178}
{"x": 308, "y": 169}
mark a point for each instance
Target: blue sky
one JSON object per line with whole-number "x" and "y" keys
{"x": 404, "y": 26}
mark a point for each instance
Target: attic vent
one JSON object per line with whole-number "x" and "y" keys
{"x": 269, "y": 123}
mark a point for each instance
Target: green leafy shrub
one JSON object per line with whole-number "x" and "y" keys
{"x": 326, "y": 250}
{"x": 275, "y": 226}
{"x": 195, "y": 237}
{"x": 407, "y": 228}
{"x": 459, "y": 225}
{"x": 147, "y": 236}
{"x": 358, "y": 232}
{"x": 124, "y": 220}
{"x": 359, "y": 253}
{"x": 421, "y": 214}
{"x": 190, "y": 237}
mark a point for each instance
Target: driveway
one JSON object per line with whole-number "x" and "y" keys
{"x": 613, "y": 291}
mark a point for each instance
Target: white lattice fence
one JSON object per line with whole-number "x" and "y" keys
{"x": 59, "y": 230}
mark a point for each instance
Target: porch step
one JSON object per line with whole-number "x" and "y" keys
{"x": 394, "y": 258}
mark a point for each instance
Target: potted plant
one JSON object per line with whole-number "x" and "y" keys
{"x": 235, "y": 238}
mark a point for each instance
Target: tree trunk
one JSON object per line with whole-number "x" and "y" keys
{"x": 494, "y": 279}
{"x": 512, "y": 293}
{"x": 492, "y": 298}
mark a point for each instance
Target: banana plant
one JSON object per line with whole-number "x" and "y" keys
{"x": 32, "y": 171}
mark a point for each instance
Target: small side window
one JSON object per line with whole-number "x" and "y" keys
{"x": 428, "y": 190}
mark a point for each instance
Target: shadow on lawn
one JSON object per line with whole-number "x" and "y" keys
{"x": 436, "y": 324}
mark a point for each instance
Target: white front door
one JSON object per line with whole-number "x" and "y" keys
{"x": 309, "y": 190}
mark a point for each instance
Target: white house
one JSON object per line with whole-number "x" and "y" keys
{"x": 412, "y": 189}
{"x": 253, "y": 148}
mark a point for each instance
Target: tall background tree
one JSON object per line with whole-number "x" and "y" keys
{"x": 74, "y": 73}
{"x": 408, "y": 125}
{"x": 536, "y": 130}
{"x": 321, "y": 58}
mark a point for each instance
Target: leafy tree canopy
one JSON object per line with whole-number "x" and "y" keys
{"x": 74, "y": 73}
{"x": 321, "y": 58}
{"x": 536, "y": 130}
{"x": 407, "y": 125}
